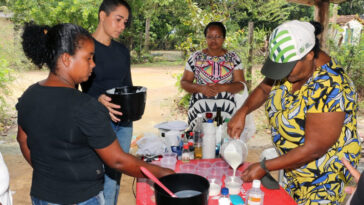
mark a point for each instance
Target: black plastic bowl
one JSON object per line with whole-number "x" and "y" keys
{"x": 180, "y": 182}
{"x": 132, "y": 103}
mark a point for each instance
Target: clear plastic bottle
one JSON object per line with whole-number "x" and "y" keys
{"x": 224, "y": 198}
{"x": 185, "y": 153}
{"x": 198, "y": 136}
{"x": 225, "y": 137}
{"x": 255, "y": 196}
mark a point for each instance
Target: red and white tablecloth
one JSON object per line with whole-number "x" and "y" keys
{"x": 145, "y": 190}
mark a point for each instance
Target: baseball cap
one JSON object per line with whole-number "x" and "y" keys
{"x": 288, "y": 44}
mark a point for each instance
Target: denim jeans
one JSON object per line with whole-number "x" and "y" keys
{"x": 96, "y": 200}
{"x": 113, "y": 177}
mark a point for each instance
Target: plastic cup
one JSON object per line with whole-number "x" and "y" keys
{"x": 234, "y": 184}
{"x": 203, "y": 168}
{"x": 187, "y": 168}
{"x": 230, "y": 172}
{"x": 221, "y": 164}
{"x": 169, "y": 162}
{"x": 215, "y": 186}
{"x": 215, "y": 172}
{"x": 170, "y": 154}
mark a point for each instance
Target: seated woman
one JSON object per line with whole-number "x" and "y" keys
{"x": 311, "y": 104}
{"x": 218, "y": 74}
{"x": 65, "y": 135}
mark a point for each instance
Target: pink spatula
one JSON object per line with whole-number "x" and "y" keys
{"x": 153, "y": 178}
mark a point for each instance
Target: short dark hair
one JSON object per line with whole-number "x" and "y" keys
{"x": 43, "y": 44}
{"x": 109, "y": 6}
{"x": 217, "y": 24}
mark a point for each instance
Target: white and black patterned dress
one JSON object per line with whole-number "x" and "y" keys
{"x": 212, "y": 69}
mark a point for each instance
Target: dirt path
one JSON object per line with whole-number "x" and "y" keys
{"x": 161, "y": 92}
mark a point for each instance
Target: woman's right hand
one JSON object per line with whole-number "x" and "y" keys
{"x": 106, "y": 101}
{"x": 209, "y": 90}
{"x": 236, "y": 124}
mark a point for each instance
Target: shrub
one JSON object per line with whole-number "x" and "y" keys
{"x": 351, "y": 58}
{"x": 5, "y": 77}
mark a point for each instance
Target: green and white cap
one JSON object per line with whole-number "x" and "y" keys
{"x": 288, "y": 44}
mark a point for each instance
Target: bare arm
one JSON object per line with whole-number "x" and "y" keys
{"x": 116, "y": 158}
{"x": 22, "y": 140}
{"x": 235, "y": 86}
{"x": 188, "y": 85}
{"x": 254, "y": 101}
{"x": 321, "y": 132}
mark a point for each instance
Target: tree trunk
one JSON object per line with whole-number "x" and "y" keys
{"x": 322, "y": 16}
{"x": 147, "y": 37}
{"x": 250, "y": 55}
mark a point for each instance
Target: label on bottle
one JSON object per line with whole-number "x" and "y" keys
{"x": 254, "y": 200}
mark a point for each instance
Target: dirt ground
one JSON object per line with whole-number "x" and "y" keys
{"x": 160, "y": 95}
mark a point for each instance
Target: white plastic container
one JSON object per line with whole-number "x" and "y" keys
{"x": 234, "y": 184}
{"x": 255, "y": 196}
{"x": 215, "y": 186}
{"x": 209, "y": 140}
{"x": 224, "y": 198}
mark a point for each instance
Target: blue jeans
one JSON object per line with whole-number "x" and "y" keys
{"x": 96, "y": 200}
{"x": 113, "y": 177}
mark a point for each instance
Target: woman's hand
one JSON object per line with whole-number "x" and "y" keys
{"x": 236, "y": 124}
{"x": 254, "y": 171}
{"x": 355, "y": 173}
{"x": 105, "y": 100}
{"x": 209, "y": 90}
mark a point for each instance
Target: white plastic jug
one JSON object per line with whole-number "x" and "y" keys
{"x": 234, "y": 152}
{"x": 172, "y": 138}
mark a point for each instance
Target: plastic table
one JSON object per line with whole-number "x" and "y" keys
{"x": 145, "y": 190}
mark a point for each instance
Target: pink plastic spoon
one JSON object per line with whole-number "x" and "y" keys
{"x": 153, "y": 178}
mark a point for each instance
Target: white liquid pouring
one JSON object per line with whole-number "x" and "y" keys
{"x": 233, "y": 156}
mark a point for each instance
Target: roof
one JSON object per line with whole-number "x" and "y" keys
{"x": 313, "y": 2}
{"x": 343, "y": 19}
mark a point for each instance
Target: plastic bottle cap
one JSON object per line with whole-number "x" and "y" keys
{"x": 224, "y": 191}
{"x": 210, "y": 121}
{"x": 208, "y": 115}
{"x": 256, "y": 183}
{"x": 185, "y": 146}
{"x": 191, "y": 134}
{"x": 227, "y": 119}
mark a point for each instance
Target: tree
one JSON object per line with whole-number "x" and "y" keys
{"x": 351, "y": 7}
{"x": 50, "y": 12}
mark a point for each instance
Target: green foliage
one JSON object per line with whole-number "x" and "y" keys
{"x": 238, "y": 42}
{"x": 265, "y": 14}
{"x": 351, "y": 58}
{"x": 351, "y": 7}
{"x": 5, "y": 77}
{"x": 10, "y": 47}
{"x": 50, "y": 12}
{"x": 184, "y": 102}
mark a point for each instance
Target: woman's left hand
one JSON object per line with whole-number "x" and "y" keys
{"x": 254, "y": 171}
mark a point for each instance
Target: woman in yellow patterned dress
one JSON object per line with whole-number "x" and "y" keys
{"x": 311, "y": 105}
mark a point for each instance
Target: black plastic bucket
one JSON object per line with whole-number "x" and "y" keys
{"x": 132, "y": 103}
{"x": 181, "y": 182}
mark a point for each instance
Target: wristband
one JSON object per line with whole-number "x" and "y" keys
{"x": 262, "y": 165}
